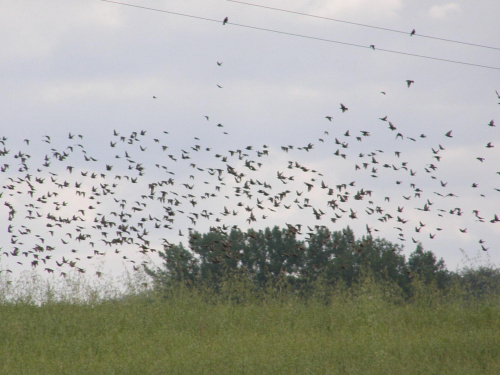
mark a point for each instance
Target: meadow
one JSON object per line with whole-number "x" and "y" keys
{"x": 367, "y": 328}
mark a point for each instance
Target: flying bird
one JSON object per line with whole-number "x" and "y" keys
{"x": 409, "y": 82}
{"x": 448, "y": 134}
{"x": 412, "y": 32}
{"x": 343, "y": 108}
{"x": 226, "y": 20}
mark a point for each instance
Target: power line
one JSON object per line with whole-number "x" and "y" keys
{"x": 369, "y": 47}
{"x": 365, "y": 25}
{"x": 162, "y": 11}
{"x": 307, "y": 36}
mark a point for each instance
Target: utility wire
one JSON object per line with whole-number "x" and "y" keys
{"x": 307, "y": 36}
{"x": 162, "y": 11}
{"x": 364, "y": 25}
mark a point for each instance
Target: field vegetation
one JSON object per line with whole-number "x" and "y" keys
{"x": 72, "y": 326}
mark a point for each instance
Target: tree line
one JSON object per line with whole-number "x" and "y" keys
{"x": 284, "y": 254}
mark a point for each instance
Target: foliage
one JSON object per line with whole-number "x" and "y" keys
{"x": 239, "y": 329}
{"x": 286, "y": 254}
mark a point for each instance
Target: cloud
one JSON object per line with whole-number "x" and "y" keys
{"x": 444, "y": 11}
{"x": 357, "y": 8}
{"x": 28, "y": 32}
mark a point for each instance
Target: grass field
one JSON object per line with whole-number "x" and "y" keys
{"x": 364, "y": 330}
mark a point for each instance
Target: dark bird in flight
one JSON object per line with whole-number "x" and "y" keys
{"x": 449, "y": 134}
{"x": 412, "y": 32}
{"x": 491, "y": 123}
{"x": 372, "y": 46}
{"x": 409, "y": 82}
{"x": 225, "y": 20}
{"x": 219, "y": 63}
{"x": 329, "y": 118}
{"x": 343, "y": 108}
{"x": 154, "y": 97}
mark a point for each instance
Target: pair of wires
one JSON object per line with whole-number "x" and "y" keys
{"x": 323, "y": 39}
{"x": 415, "y": 34}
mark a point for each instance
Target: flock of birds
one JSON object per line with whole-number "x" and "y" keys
{"x": 65, "y": 205}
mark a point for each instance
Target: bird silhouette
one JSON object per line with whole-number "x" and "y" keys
{"x": 139, "y": 196}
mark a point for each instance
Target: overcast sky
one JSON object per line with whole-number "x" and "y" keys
{"x": 91, "y": 67}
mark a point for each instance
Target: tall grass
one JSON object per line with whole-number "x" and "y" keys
{"x": 181, "y": 329}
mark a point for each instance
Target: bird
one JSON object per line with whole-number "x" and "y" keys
{"x": 409, "y": 82}
{"x": 226, "y": 20}
{"x": 229, "y": 174}
{"x": 412, "y": 32}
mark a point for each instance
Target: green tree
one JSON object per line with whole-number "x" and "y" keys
{"x": 427, "y": 267}
{"x": 179, "y": 265}
{"x": 481, "y": 282}
{"x": 273, "y": 252}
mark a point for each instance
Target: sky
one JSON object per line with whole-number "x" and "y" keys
{"x": 266, "y": 81}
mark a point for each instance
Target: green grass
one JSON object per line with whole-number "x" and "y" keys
{"x": 360, "y": 331}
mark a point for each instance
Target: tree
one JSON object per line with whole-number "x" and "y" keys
{"x": 427, "y": 267}
{"x": 481, "y": 282}
{"x": 273, "y": 252}
{"x": 179, "y": 265}
{"x": 277, "y": 254}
